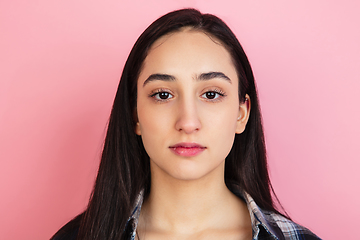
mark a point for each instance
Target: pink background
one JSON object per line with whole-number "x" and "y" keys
{"x": 60, "y": 62}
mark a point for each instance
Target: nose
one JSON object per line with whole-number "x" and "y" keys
{"x": 188, "y": 117}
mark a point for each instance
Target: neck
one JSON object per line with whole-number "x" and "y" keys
{"x": 187, "y": 206}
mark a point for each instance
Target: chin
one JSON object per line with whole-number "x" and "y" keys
{"x": 188, "y": 169}
{"x": 195, "y": 173}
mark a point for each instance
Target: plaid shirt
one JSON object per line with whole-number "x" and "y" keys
{"x": 265, "y": 225}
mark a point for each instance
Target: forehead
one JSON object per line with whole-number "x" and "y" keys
{"x": 188, "y": 50}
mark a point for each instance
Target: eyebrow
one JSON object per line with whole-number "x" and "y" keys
{"x": 201, "y": 77}
{"x": 158, "y": 76}
{"x": 211, "y": 75}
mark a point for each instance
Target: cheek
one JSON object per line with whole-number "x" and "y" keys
{"x": 154, "y": 126}
{"x": 224, "y": 137}
{"x": 152, "y": 119}
{"x": 222, "y": 128}
{"x": 223, "y": 118}
{"x": 148, "y": 135}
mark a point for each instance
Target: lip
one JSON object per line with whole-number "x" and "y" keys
{"x": 187, "y": 149}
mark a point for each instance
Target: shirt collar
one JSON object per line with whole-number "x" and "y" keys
{"x": 135, "y": 214}
{"x": 259, "y": 217}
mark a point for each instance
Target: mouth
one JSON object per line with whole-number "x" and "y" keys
{"x": 187, "y": 149}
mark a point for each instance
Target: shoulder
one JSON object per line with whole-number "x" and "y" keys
{"x": 284, "y": 228}
{"x": 69, "y": 231}
{"x": 272, "y": 225}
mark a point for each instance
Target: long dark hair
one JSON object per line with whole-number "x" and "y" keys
{"x": 125, "y": 169}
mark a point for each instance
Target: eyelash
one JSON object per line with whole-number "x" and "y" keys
{"x": 220, "y": 94}
{"x": 155, "y": 95}
{"x": 157, "y": 92}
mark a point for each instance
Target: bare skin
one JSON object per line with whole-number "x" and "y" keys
{"x": 188, "y": 197}
{"x": 202, "y": 210}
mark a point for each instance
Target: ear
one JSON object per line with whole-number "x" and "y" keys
{"x": 244, "y": 113}
{"x": 137, "y": 125}
{"x": 137, "y": 128}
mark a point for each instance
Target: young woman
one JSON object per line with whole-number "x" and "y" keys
{"x": 184, "y": 155}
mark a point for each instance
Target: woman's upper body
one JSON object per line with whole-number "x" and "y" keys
{"x": 185, "y": 124}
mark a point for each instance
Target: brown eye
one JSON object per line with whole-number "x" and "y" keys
{"x": 213, "y": 95}
{"x": 161, "y": 96}
{"x": 164, "y": 95}
{"x": 210, "y": 95}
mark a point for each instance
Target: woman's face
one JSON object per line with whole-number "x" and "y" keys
{"x": 188, "y": 106}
